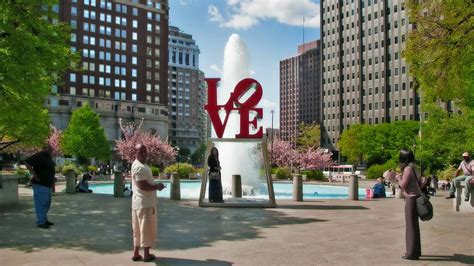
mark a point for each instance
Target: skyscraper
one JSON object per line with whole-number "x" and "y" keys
{"x": 300, "y": 90}
{"x": 364, "y": 77}
{"x": 187, "y": 94}
{"x": 123, "y": 70}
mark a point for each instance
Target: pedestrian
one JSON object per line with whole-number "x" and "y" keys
{"x": 42, "y": 169}
{"x": 144, "y": 211}
{"x": 215, "y": 183}
{"x": 467, "y": 167}
{"x": 409, "y": 183}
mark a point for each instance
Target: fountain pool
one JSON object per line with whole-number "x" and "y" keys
{"x": 283, "y": 190}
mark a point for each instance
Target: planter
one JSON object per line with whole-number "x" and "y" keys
{"x": 8, "y": 189}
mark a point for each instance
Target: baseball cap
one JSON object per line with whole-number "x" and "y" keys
{"x": 466, "y": 154}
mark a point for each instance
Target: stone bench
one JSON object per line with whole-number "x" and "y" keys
{"x": 458, "y": 203}
{"x": 8, "y": 189}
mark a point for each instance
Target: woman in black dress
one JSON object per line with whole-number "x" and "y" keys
{"x": 215, "y": 184}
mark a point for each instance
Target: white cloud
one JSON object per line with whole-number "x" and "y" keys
{"x": 214, "y": 13}
{"x": 244, "y": 14}
{"x": 215, "y": 68}
{"x": 252, "y": 72}
{"x": 185, "y": 2}
{"x": 267, "y": 104}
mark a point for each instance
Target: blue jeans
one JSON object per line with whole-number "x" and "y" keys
{"x": 42, "y": 199}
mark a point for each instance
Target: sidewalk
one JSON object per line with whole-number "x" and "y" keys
{"x": 93, "y": 229}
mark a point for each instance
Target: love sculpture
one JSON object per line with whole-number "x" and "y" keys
{"x": 235, "y": 104}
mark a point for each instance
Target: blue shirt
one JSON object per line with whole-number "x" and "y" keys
{"x": 379, "y": 190}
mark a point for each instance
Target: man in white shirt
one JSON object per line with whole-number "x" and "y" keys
{"x": 144, "y": 219}
{"x": 467, "y": 167}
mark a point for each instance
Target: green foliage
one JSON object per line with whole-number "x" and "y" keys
{"x": 155, "y": 170}
{"x": 447, "y": 173}
{"x": 197, "y": 158}
{"x": 78, "y": 170}
{"x": 283, "y": 173}
{"x": 376, "y": 171}
{"x": 376, "y": 144}
{"x": 314, "y": 175}
{"x": 84, "y": 135}
{"x": 445, "y": 136}
{"x": 92, "y": 168}
{"x": 309, "y": 136}
{"x": 34, "y": 54}
{"x": 183, "y": 154}
{"x": 183, "y": 169}
{"x": 440, "y": 51}
{"x": 25, "y": 176}
{"x": 200, "y": 171}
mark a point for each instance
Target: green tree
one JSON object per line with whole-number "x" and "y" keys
{"x": 34, "y": 53}
{"x": 440, "y": 50}
{"x": 444, "y": 137}
{"x": 84, "y": 136}
{"x": 309, "y": 136}
{"x": 350, "y": 143}
{"x": 197, "y": 158}
{"x": 376, "y": 144}
{"x": 183, "y": 154}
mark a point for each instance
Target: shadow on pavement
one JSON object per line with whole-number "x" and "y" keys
{"x": 102, "y": 223}
{"x": 177, "y": 261}
{"x": 321, "y": 207}
{"x": 466, "y": 259}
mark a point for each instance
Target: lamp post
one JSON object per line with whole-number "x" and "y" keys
{"x": 271, "y": 154}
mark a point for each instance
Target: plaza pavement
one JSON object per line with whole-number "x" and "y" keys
{"x": 94, "y": 229}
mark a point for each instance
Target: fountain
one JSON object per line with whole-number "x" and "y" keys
{"x": 236, "y": 157}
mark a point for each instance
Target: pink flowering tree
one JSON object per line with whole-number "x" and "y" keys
{"x": 53, "y": 140}
{"x": 283, "y": 154}
{"x": 159, "y": 152}
{"x": 315, "y": 159}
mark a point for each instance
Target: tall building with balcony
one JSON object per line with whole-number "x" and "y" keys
{"x": 300, "y": 91}
{"x": 364, "y": 77}
{"x": 187, "y": 93}
{"x": 123, "y": 75}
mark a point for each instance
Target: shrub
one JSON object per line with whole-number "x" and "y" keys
{"x": 314, "y": 175}
{"x": 447, "y": 173}
{"x": 58, "y": 168}
{"x": 200, "y": 170}
{"x": 155, "y": 170}
{"x": 376, "y": 170}
{"x": 25, "y": 176}
{"x": 92, "y": 169}
{"x": 74, "y": 167}
{"x": 183, "y": 170}
{"x": 283, "y": 173}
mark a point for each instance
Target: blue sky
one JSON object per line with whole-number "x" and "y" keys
{"x": 271, "y": 29}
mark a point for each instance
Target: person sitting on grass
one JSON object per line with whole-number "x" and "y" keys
{"x": 379, "y": 188}
{"x": 83, "y": 185}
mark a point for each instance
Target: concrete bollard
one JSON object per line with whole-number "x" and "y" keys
{"x": 297, "y": 188}
{"x": 118, "y": 184}
{"x": 70, "y": 181}
{"x": 399, "y": 194}
{"x": 175, "y": 190}
{"x": 236, "y": 186}
{"x": 354, "y": 188}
